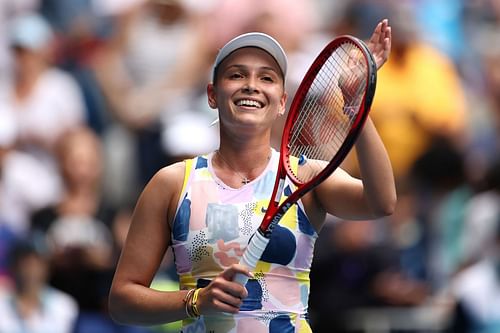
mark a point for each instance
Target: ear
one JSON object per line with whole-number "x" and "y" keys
{"x": 283, "y": 100}
{"x": 212, "y": 96}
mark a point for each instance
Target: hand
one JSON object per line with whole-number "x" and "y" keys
{"x": 380, "y": 42}
{"x": 223, "y": 294}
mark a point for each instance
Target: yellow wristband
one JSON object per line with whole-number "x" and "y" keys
{"x": 194, "y": 304}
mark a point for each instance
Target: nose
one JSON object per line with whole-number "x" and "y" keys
{"x": 250, "y": 86}
{"x": 248, "y": 89}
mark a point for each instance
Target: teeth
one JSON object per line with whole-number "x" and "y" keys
{"x": 248, "y": 102}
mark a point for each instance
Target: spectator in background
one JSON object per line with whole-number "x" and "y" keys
{"x": 81, "y": 31}
{"x": 484, "y": 125}
{"x": 9, "y": 10}
{"x": 419, "y": 93}
{"x": 25, "y": 185}
{"x": 482, "y": 220}
{"x": 476, "y": 285}
{"x": 31, "y": 305}
{"x": 78, "y": 231}
{"x": 44, "y": 101}
{"x": 77, "y": 228}
{"x": 355, "y": 268}
{"x": 443, "y": 190}
{"x": 148, "y": 73}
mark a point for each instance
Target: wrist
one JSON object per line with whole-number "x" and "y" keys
{"x": 195, "y": 302}
{"x": 191, "y": 303}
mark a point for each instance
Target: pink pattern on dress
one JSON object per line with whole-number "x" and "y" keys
{"x": 251, "y": 325}
{"x": 283, "y": 286}
{"x": 202, "y": 192}
{"x": 223, "y": 253}
{"x": 303, "y": 258}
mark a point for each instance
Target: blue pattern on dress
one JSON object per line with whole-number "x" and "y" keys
{"x": 304, "y": 224}
{"x": 254, "y": 299}
{"x": 281, "y": 324}
{"x": 281, "y": 248}
{"x": 261, "y": 188}
{"x": 181, "y": 222}
{"x": 201, "y": 162}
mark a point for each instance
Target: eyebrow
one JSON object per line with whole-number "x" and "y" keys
{"x": 269, "y": 68}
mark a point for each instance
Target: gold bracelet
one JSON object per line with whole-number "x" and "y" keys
{"x": 194, "y": 301}
{"x": 187, "y": 303}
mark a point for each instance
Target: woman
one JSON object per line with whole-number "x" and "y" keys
{"x": 208, "y": 207}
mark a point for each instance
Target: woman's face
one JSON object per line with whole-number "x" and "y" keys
{"x": 249, "y": 90}
{"x": 81, "y": 159}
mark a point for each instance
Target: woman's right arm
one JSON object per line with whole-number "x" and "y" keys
{"x": 131, "y": 300}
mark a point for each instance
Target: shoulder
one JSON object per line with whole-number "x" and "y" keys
{"x": 170, "y": 174}
{"x": 163, "y": 191}
{"x": 58, "y": 76}
{"x": 61, "y": 83}
{"x": 167, "y": 182}
{"x": 60, "y": 300}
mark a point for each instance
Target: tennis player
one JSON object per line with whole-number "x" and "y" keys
{"x": 207, "y": 208}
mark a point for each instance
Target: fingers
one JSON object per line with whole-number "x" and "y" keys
{"x": 388, "y": 38}
{"x": 387, "y": 41}
{"x": 385, "y": 31}
{"x": 223, "y": 294}
{"x": 226, "y": 302}
{"x": 381, "y": 33}
{"x": 229, "y": 275}
{"x": 232, "y": 270}
{"x": 380, "y": 42}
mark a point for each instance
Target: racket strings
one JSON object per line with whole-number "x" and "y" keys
{"x": 329, "y": 110}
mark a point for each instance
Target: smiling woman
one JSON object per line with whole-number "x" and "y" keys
{"x": 249, "y": 93}
{"x": 207, "y": 208}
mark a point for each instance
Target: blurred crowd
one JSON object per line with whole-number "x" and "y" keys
{"x": 97, "y": 95}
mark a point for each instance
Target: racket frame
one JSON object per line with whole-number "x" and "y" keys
{"x": 275, "y": 210}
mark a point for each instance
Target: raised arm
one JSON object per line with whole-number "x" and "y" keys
{"x": 375, "y": 194}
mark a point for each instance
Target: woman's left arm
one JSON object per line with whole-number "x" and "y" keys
{"x": 375, "y": 194}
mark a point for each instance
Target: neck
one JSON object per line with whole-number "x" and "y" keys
{"x": 26, "y": 81}
{"x": 240, "y": 166}
{"x": 29, "y": 293}
{"x": 83, "y": 189}
{"x": 246, "y": 159}
{"x": 27, "y": 303}
{"x": 80, "y": 201}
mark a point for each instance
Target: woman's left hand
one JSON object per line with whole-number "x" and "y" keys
{"x": 380, "y": 42}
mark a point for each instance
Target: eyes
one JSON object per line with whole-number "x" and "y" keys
{"x": 241, "y": 75}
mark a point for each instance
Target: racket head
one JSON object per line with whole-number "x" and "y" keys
{"x": 328, "y": 111}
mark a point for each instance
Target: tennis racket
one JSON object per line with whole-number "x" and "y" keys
{"x": 325, "y": 118}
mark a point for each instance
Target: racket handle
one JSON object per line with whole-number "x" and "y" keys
{"x": 252, "y": 254}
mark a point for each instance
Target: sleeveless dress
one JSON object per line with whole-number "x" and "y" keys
{"x": 211, "y": 229}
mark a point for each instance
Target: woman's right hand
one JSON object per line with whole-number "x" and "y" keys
{"x": 223, "y": 294}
